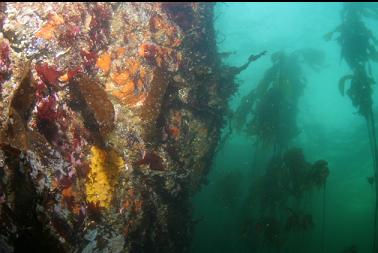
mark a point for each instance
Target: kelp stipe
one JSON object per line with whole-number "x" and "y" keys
{"x": 357, "y": 44}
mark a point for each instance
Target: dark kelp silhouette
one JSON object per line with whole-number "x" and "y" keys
{"x": 351, "y": 249}
{"x": 229, "y": 85}
{"x": 269, "y": 111}
{"x": 358, "y": 48}
{"x": 288, "y": 177}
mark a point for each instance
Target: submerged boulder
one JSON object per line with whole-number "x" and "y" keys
{"x": 109, "y": 114}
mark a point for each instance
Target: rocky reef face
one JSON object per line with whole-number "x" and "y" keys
{"x": 109, "y": 115}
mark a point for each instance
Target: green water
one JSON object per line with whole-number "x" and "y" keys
{"x": 330, "y": 129}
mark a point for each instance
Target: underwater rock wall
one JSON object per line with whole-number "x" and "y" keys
{"x": 109, "y": 114}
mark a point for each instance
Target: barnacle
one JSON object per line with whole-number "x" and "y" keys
{"x": 102, "y": 179}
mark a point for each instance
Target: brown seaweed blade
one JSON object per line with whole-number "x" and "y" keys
{"x": 342, "y": 83}
{"x": 357, "y": 49}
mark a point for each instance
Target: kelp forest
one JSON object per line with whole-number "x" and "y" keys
{"x": 273, "y": 185}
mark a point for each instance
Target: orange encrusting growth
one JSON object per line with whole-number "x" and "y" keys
{"x": 104, "y": 62}
{"x": 132, "y": 202}
{"x": 47, "y": 31}
{"x": 129, "y": 84}
{"x": 120, "y": 52}
{"x": 69, "y": 200}
{"x": 175, "y": 132}
{"x": 64, "y": 78}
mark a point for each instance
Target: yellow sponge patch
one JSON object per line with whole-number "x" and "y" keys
{"x": 103, "y": 177}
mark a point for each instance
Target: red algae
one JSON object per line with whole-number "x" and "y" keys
{"x": 69, "y": 36}
{"x": 100, "y": 25}
{"x": 48, "y": 74}
{"x": 89, "y": 59}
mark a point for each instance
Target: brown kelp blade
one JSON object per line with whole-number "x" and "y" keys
{"x": 342, "y": 83}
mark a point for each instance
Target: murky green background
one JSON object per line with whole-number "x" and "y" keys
{"x": 330, "y": 129}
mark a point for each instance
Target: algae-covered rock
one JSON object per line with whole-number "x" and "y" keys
{"x": 109, "y": 115}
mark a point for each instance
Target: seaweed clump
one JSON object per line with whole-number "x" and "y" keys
{"x": 269, "y": 111}
{"x": 358, "y": 48}
{"x": 281, "y": 190}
